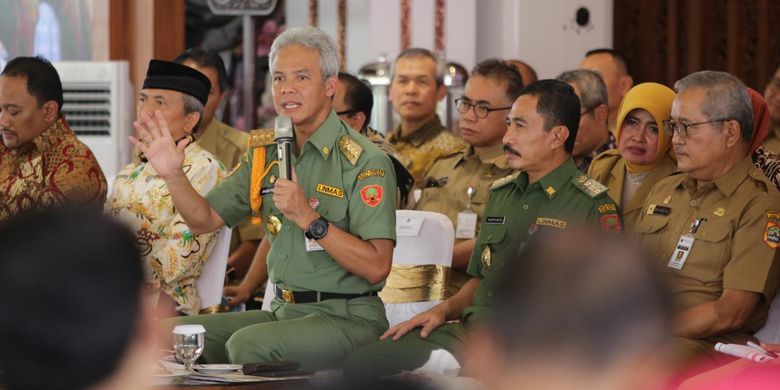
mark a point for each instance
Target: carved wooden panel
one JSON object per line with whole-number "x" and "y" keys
{"x": 664, "y": 40}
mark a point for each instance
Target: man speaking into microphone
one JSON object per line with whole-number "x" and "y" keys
{"x": 330, "y": 229}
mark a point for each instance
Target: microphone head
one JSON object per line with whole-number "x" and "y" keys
{"x": 283, "y": 127}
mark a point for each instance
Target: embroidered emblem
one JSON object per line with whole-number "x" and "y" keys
{"x": 350, "y": 149}
{"x": 719, "y": 212}
{"x": 372, "y": 195}
{"x": 330, "y": 190}
{"x": 370, "y": 172}
{"x": 486, "y": 257}
{"x": 556, "y": 223}
{"x": 611, "y": 223}
{"x": 606, "y": 208}
{"x": 772, "y": 231}
{"x": 504, "y": 181}
{"x": 550, "y": 191}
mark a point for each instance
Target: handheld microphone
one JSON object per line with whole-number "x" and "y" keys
{"x": 283, "y": 133}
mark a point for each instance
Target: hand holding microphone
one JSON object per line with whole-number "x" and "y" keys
{"x": 288, "y": 194}
{"x": 283, "y": 134}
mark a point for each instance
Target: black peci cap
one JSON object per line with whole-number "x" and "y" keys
{"x": 177, "y": 77}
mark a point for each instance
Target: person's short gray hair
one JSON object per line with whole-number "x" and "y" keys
{"x": 418, "y": 52}
{"x": 312, "y": 38}
{"x": 726, "y": 98}
{"x": 593, "y": 91}
{"x": 192, "y": 104}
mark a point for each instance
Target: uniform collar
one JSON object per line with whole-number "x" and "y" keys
{"x": 210, "y": 133}
{"x": 493, "y": 155}
{"x": 325, "y": 137}
{"x": 552, "y": 183}
{"x": 425, "y": 133}
{"x": 727, "y": 183}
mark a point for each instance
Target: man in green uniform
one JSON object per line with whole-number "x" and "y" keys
{"x": 329, "y": 231}
{"x": 548, "y": 194}
{"x": 417, "y": 86}
{"x": 715, "y": 225}
{"x": 457, "y": 185}
{"x": 224, "y": 142}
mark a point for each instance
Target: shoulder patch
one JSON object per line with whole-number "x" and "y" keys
{"x": 504, "y": 181}
{"x": 350, "y": 149}
{"x": 589, "y": 186}
{"x": 262, "y": 137}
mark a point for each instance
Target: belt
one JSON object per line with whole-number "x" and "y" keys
{"x": 314, "y": 296}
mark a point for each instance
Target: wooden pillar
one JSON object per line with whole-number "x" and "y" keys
{"x": 141, "y": 30}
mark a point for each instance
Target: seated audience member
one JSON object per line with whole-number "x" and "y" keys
{"x": 353, "y": 102}
{"x": 714, "y": 224}
{"x": 642, "y": 157}
{"x": 172, "y": 255}
{"x": 416, "y": 87}
{"x": 527, "y": 73}
{"x": 548, "y": 193}
{"x": 225, "y": 143}
{"x": 577, "y": 311}
{"x": 74, "y": 314}
{"x": 772, "y": 96}
{"x": 460, "y": 182}
{"x": 616, "y": 73}
{"x": 766, "y": 161}
{"x": 593, "y": 136}
{"x": 42, "y": 163}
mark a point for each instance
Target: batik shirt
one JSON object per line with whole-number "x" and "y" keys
{"x": 172, "y": 256}
{"x": 52, "y": 169}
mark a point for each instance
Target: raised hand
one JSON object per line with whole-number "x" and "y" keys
{"x": 155, "y": 141}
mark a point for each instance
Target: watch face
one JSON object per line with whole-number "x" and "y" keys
{"x": 318, "y": 228}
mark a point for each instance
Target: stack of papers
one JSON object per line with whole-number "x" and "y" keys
{"x": 751, "y": 352}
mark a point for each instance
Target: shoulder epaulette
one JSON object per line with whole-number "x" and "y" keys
{"x": 350, "y": 149}
{"x": 504, "y": 181}
{"x": 589, "y": 186}
{"x": 261, "y": 137}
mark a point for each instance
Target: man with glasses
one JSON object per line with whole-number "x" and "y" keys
{"x": 547, "y": 194}
{"x": 458, "y": 184}
{"x": 593, "y": 136}
{"x": 714, "y": 225}
{"x": 416, "y": 87}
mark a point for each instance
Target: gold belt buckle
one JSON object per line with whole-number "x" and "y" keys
{"x": 288, "y": 296}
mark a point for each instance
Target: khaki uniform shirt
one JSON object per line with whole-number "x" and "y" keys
{"x": 516, "y": 210}
{"x": 52, "y": 169}
{"x": 421, "y": 149}
{"x": 733, "y": 249}
{"x": 228, "y": 145}
{"x": 445, "y": 185}
{"x": 345, "y": 176}
{"x": 610, "y": 169}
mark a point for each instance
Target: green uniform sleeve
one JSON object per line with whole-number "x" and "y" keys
{"x": 607, "y": 214}
{"x": 230, "y": 199}
{"x": 372, "y": 202}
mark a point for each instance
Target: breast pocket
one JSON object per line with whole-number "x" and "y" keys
{"x": 649, "y": 231}
{"x": 709, "y": 254}
{"x": 493, "y": 246}
{"x": 335, "y": 211}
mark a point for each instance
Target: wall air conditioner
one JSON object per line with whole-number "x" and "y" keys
{"x": 99, "y": 107}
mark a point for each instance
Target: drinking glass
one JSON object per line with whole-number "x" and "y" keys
{"x": 188, "y": 343}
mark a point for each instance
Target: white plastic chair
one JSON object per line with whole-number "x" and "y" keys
{"x": 423, "y": 238}
{"x": 212, "y": 279}
{"x": 770, "y": 333}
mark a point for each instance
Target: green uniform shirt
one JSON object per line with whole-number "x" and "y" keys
{"x": 445, "y": 185}
{"x": 516, "y": 210}
{"x": 351, "y": 182}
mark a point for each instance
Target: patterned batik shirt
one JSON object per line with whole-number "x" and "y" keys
{"x": 52, "y": 169}
{"x": 172, "y": 256}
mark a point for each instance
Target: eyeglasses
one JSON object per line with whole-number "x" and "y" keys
{"x": 480, "y": 110}
{"x": 348, "y": 113}
{"x": 682, "y": 128}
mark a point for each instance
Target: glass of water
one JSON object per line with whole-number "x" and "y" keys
{"x": 188, "y": 343}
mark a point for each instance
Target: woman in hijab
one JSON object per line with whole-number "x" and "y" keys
{"x": 643, "y": 156}
{"x": 764, "y": 160}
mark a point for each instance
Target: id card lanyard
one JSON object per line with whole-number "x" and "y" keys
{"x": 467, "y": 219}
{"x": 684, "y": 245}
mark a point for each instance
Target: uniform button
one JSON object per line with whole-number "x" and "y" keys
{"x": 298, "y": 167}
{"x": 694, "y": 203}
{"x": 324, "y": 212}
{"x": 490, "y": 237}
{"x": 525, "y": 207}
{"x": 490, "y": 293}
{"x": 287, "y": 227}
{"x": 284, "y": 257}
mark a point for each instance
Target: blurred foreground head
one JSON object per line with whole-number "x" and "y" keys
{"x": 577, "y": 310}
{"x": 70, "y": 289}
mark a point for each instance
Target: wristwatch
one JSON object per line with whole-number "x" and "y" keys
{"x": 317, "y": 229}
